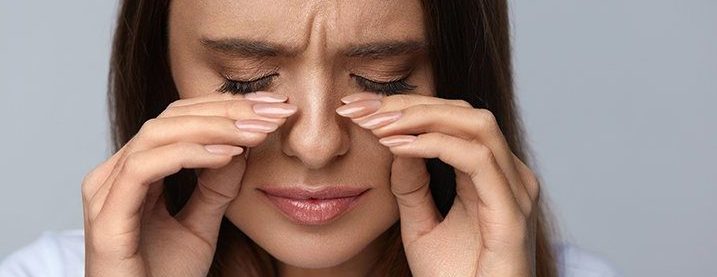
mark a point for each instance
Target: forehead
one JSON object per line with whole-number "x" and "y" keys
{"x": 298, "y": 22}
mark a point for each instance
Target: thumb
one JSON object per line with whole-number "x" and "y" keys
{"x": 409, "y": 183}
{"x": 215, "y": 189}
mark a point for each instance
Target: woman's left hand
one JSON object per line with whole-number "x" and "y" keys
{"x": 490, "y": 229}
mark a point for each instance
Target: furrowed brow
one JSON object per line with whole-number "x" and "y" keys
{"x": 383, "y": 49}
{"x": 242, "y": 47}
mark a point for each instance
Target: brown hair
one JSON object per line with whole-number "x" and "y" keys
{"x": 470, "y": 51}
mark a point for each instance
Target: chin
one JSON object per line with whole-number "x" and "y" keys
{"x": 315, "y": 246}
{"x": 306, "y": 251}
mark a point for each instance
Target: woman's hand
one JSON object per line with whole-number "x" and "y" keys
{"x": 490, "y": 229}
{"x": 128, "y": 230}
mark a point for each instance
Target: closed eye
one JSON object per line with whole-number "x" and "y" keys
{"x": 244, "y": 87}
{"x": 262, "y": 83}
{"x": 384, "y": 88}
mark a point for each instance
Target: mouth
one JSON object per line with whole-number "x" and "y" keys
{"x": 313, "y": 206}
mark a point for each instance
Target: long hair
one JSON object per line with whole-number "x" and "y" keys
{"x": 470, "y": 48}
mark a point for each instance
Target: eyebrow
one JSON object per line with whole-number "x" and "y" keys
{"x": 248, "y": 48}
{"x": 381, "y": 49}
{"x": 241, "y": 47}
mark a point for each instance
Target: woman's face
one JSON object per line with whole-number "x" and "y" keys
{"x": 316, "y": 147}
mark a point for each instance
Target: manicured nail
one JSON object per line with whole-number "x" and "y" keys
{"x": 275, "y": 109}
{"x": 380, "y": 119}
{"x": 360, "y": 96}
{"x": 263, "y": 96}
{"x": 256, "y": 125}
{"x": 397, "y": 140}
{"x": 359, "y": 108}
{"x": 223, "y": 149}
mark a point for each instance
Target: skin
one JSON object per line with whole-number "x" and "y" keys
{"x": 488, "y": 232}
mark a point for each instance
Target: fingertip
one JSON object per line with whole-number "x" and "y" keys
{"x": 222, "y": 149}
{"x": 397, "y": 140}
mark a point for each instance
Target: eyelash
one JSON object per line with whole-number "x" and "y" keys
{"x": 243, "y": 87}
{"x": 383, "y": 88}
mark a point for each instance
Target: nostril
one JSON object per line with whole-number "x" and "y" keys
{"x": 318, "y": 148}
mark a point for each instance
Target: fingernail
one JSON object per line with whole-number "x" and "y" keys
{"x": 274, "y": 109}
{"x": 263, "y": 96}
{"x": 379, "y": 120}
{"x": 223, "y": 149}
{"x": 360, "y": 96}
{"x": 397, "y": 140}
{"x": 359, "y": 108}
{"x": 255, "y": 125}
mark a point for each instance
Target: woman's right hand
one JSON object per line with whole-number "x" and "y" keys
{"x": 128, "y": 230}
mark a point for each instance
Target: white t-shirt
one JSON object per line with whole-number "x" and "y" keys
{"x": 62, "y": 254}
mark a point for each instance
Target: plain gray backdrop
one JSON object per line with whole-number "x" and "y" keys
{"x": 617, "y": 97}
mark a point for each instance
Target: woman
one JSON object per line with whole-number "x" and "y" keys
{"x": 314, "y": 138}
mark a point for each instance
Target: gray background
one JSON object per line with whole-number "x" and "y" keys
{"x": 616, "y": 95}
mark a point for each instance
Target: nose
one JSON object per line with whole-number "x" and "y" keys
{"x": 317, "y": 136}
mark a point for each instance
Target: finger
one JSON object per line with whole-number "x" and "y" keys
{"x": 532, "y": 184}
{"x": 94, "y": 179}
{"x": 492, "y": 189}
{"x": 194, "y": 129}
{"x": 234, "y": 109}
{"x": 410, "y": 184}
{"x": 121, "y": 212}
{"x": 215, "y": 189}
{"x": 402, "y": 101}
{"x": 261, "y": 96}
{"x": 202, "y": 130}
{"x": 467, "y": 123}
{"x": 209, "y": 105}
{"x": 205, "y": 98}
{"x": 201, "y": 106}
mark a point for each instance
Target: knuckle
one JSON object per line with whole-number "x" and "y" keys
{"x": 529, "y": 178}
{"x": 401, "y": 100}
{"x": 89, "y": 184}
{"x": 234, "y": 109}
{"x": 132, "y": 164}
{"x": 230, "y": 108}
{"x": 176, "y": 103}
{"x": 486, "y": 120}
{"x": 533, "y": 185}
{"x": 461, "y": 102}
{"x": 170, "y": 111}
{"x": 418, "y": 109}
{"x": 149, "y": 124}
{"x": 483, "y": 154}
{"x": 185, "y": 148}
{"x": 530, "y": 210}
{"x": 212, "y": 196}
{"x": 252, "y": 139}
{"x": 437, "y": 137}
{"x": 147, "y": 128}
{"x": 150, "y": 131}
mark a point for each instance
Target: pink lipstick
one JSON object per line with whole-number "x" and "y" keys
{"x": 313, "y": 206}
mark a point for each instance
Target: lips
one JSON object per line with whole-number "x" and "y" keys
{"x": 313, "y": 206}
